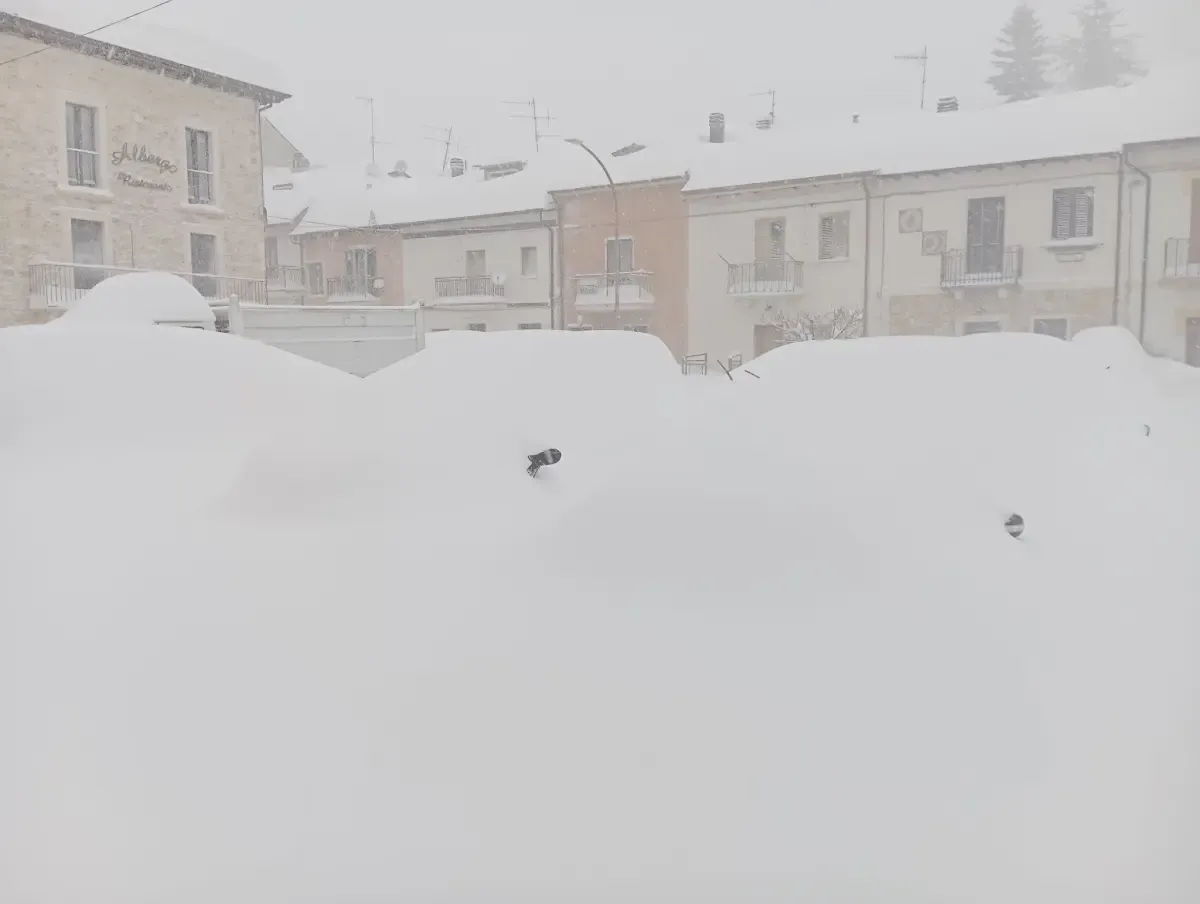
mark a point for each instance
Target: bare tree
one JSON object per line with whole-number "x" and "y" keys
{"x": 840, "y": 323}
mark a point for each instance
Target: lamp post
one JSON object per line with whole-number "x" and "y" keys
{"x": 616, "y": 225}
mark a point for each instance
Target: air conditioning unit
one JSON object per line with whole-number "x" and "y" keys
{"x": 933, "y": 243}
{"x": 911, "y": 220}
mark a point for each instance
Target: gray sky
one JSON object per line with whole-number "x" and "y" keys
{"x": 619, "y": 69}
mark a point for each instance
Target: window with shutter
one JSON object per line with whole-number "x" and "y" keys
{"x": 618, "y": 263}
{"x": 1073, "y": 213}
{"x": 83, "y": 155}
{"x": 834, "y": 237}
{"x": 477, "y": 263}
{"x": 199, "y": 166}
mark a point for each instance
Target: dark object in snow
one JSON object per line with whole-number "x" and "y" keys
{"x": 1147, "y": 426}
{"x": 541, "y": 460}
{"x": 1015, "y": 525}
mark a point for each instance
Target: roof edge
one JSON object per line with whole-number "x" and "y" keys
{"x": 125, "y": 56}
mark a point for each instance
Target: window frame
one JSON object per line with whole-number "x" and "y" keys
{"x": 204, "y": 276}
{"x": 477, "y": 327}
{"x": 833, "y": 217}
{"x": 1065, "y": 321}
{"x": 529, "y": 251}
{"x": 964, "y": 328}
{"x": 320, "y": 287}
{"x": 632, "y": 259}
{"x": 531, "y": 325}
{"x": 1065, "y": 210}
{"x": 74, "y": 151}
{"x": 202, "y": 176}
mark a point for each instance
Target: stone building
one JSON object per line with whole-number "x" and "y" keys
{"x": 117, "y": 160}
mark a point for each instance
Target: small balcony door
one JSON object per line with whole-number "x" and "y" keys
{"x": 769, "y": 241}
{"x": 476, "y": 264}
{"x": 618, "y": 260}
{"x": 87, "y": 247}
{"x": 985, "y": 235}
{"x": 361, "y": 271}
{"x": 204, "y": 262}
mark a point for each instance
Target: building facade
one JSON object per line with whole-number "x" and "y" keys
{"x": 115, "y": 160}
{"x": 631, "y": 273}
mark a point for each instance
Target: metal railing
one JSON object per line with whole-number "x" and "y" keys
{"x": 1182, "y": 259}
{"x": 695, "y": 364}
{"x": 467, "y": 287}
{"x": 600, "y": 289}
{"x": 356, "y": 287}
{"x": 288, "y": 278}
{"x": 57, "y": 285}
{"x": 777, "y": 277}
{"x": 982, "y": 267}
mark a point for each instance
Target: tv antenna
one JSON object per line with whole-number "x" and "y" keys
{"x": 370, "y": 102}
{"x": 537, "y": 118}
{"x": 444, "y": 137}
{"x": 923, "y": 59}
{"x": 770, "y": 120}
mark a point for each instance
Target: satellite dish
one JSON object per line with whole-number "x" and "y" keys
{"x": 400, "y": 169}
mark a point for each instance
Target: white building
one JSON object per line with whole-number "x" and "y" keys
{"x": 1025, "y": 217}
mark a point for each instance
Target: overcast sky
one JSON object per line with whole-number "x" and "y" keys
{"x": 618, "y": 68}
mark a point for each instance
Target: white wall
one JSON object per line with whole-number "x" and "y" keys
{"x": 721, "y": 229}
{"x": 428, "y": 257}
{"x": 506, "y": 318}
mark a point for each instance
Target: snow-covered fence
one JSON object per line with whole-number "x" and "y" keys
{"x": 359, "y": 339}
{"x": 695, "y": 364}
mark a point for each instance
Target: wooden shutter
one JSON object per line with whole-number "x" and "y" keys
{"x": 1084, "y": 204}
{"x": 1062, "y": 215}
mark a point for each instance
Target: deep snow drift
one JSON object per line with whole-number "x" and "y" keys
{"x": 756, "y": 639}
{"x": 146, "y": 298}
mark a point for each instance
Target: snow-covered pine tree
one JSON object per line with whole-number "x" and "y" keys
{"x": 1099, "y": 55}
{"x": 1022, "y": 58}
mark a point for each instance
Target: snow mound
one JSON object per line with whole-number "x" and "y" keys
{"x": 152, "y": 298}
{"x": 752, "y": 639}
{"x": 458, "y": 419}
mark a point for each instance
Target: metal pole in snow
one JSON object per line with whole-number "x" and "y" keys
{"x": 616, "y": 225}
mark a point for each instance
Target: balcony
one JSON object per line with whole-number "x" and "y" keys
{"x": 54, "y": 285}
{"x": 778, "y": 277}
{"x": 285, "y": 279}
{"x": 353, "y": 288}
{"x": 1182, "y": 259}
{"x": 602, "y": 291}
{"x": 982, "y": 267}
{"x": 467, "y": 290}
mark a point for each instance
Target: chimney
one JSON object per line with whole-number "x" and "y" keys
{"x": 716, "y": 128}
{"x": 947, "y": 104}
{"x": 458, "y": 166}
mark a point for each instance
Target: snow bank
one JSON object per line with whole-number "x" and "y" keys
{"x": 147, "y": 298}
{"x": 756, "y": 639}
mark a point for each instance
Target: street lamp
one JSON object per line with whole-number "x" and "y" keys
{"x": 616, "y": 225}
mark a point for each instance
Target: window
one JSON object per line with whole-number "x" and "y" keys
{"x": 83, "y": 155}
{"x": 529, "y": 261}
{"x": 636, "y": 328}
{"x": 529, "y": 326}
{"x": 361, "y": 271}
{"x": 271, "y": 250}
{"x": 835, "y": 236}
{"x": 477, "y": 327}
{"x": 985, "y": 235}
{"x": 316, "y": 279}
{"x": 618, "y": 263}
{"x": 204, "y": 264}
{"x": 769, "y": 240}
{"x": 579, "y": 328}
{"x": 972, "y": 327}
{"x": 199, "y": 167}
{"x": 87, "y": 247}
{"x": 476, "y": 263}
{"x": 1051, "y": 326}
{"x": 1073, "y": 213}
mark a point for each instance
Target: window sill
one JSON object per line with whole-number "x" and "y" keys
{"x": 210, "y": 210}
{"x": 86, "y": 191}
{"x": 833, "y": 260}
{"x": 1080, "y": 244}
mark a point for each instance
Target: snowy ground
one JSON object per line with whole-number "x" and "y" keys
{"x": 269, "y": 633}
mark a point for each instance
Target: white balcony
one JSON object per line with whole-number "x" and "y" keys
{"x": 57, "y": 285}
{"x": 773, "y": 278}
{"x": 604, "y": 291}
{"x": 1182, "y": 260}
{"x": 469, "y": 291}
{"x": 285, "y": 279}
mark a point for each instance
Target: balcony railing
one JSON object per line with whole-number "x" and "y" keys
{"x": 55, "y": 285}
{"x": 353, "y": 288}
{"x": 986, "y": 266}
{"x": 598, "y": 291}
{"x": 781, "y": 277}
{"x": 286, "y": 278}
{"x": 1183, "y": 259}
{"x": 467, "y": 287}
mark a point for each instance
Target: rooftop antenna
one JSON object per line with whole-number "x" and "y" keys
{"x": 533, "y": 114}
{"x": 370, "y": 102}
{"x": 770, "y": 120}
{"x": 923, "y": 59}
{"x": 445, "y": 138}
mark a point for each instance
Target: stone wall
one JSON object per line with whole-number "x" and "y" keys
{"x": 942, "y": 314}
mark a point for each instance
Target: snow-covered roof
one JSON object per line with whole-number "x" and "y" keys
{"x": 162, "y": 49}
{"x": 1160, "y": 107}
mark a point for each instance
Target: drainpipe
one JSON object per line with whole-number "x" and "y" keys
{"x": 866, "y": 294}
{"x": 550, "y": 234}
{"x": 262, "y": 198}
{"x": 1116, "y": 305}
{"x": 1145, "y": 255}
